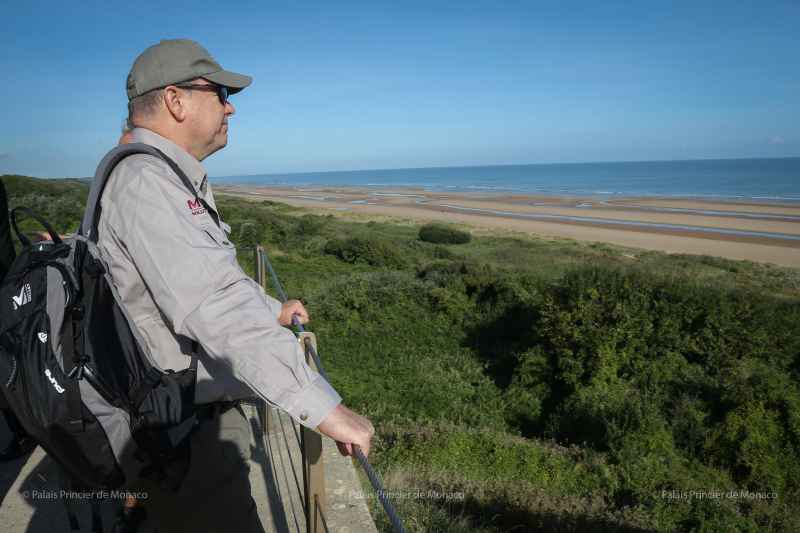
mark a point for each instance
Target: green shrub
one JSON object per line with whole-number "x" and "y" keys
{"x": 246, "y": 234}
{"x": 396, "y": 356}
{"x": 661, "y": 374}
{"x": 310, "y": 225}
{"x": 441, "y": 234}
{"x": 371, "y": 251}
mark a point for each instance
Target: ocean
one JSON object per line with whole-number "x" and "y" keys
{"x": 767, "y": 180}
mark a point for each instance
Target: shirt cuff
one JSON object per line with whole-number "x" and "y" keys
{"x": 311, "y": 405}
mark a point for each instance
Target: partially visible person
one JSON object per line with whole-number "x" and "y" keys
{"x": 7, "y": 253}
{"x": 21, "y": 443}
{"x": 127, "y": 132}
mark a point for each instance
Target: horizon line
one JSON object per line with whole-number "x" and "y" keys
{"x": 505, "y": 165}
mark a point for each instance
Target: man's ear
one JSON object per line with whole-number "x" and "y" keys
{"x": 174, "y": 103}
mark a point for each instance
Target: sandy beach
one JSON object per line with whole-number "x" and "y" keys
{"x": 764, "y": 232}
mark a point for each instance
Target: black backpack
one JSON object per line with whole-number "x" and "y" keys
{"x": 72, "y": 368}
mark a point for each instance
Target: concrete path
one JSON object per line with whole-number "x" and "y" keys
{"x": 30, "y": 502}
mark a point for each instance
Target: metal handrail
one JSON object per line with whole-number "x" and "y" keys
{"x": 313, "y": 492}
{"x": 263, "y": 261}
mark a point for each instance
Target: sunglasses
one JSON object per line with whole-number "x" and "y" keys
{"x": 222, "y": 91}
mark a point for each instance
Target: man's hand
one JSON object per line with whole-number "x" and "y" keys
{"x": 347, "y": 428}
{"x": 40, "y": 236}
{"x": 291, "y": 308}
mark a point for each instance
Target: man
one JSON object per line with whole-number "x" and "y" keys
{"x": 21, "y": 443}
{"x": 178, "y": 279}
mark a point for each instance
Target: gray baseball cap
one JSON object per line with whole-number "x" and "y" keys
{"x": 177, "y": 60}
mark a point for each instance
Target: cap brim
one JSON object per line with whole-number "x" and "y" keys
{"x": 233, "y": 81}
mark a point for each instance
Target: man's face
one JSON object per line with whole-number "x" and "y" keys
{"x": 207, "y": 119}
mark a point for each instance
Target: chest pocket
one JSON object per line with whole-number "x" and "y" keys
{"x": 208, "y": 221}
{"x": 219, "y": 234}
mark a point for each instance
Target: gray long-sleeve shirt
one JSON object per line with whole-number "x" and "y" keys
{"x": 178, "y": 279}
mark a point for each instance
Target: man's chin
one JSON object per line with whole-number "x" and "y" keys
{"x": 217, "y": 147}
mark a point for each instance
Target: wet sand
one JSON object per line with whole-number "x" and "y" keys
{"x": 763, "y": 232}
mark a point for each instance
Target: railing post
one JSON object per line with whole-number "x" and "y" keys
{"x": 313, "y": 468}
{"x": 259, "y": 265}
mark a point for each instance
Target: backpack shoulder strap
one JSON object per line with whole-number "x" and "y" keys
{"x": 91, "y": 215}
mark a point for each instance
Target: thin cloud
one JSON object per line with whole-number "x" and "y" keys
{"x": 777, "y": 139}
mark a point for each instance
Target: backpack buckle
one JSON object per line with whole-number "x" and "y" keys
{"x": 77, "y": 370}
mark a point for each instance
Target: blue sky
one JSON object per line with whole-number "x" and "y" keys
{"x": 358, "y": 85}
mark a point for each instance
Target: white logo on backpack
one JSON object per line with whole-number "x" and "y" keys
{"x": 23, "y": 298}
{"x": 59, "y": 389}
{"x": 42, "y": 337}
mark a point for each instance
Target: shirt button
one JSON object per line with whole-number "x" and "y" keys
{"x": 303, "y": 416}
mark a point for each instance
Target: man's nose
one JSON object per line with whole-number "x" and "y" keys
{"x": 229, "y": 109}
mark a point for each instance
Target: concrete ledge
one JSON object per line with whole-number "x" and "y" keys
{"x": 277, "y": 482}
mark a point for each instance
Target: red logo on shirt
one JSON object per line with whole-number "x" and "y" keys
{"x": 196, "y": 207}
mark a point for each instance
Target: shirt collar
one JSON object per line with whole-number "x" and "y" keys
{"x": 193, "y": 169}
